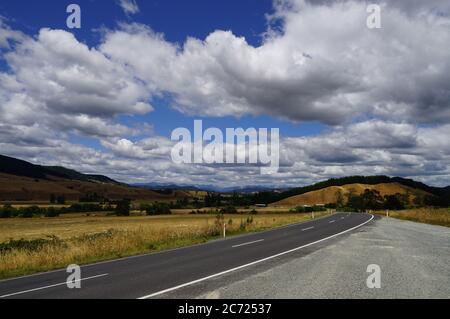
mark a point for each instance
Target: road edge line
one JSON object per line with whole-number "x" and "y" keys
{"x": 250, "y": 264}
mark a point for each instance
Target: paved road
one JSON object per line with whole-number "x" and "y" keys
{"x": 155, "y": 275}
{"x": 414, "y": 260}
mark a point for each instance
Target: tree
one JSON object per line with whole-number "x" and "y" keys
{"x": 339, "y": 199}
{"x": 393, "y": 202}
{"x": 371, "y": 199}
{"x": 7, "y": 211}
{"x": 158, "y": 209}
{"x": 61, "y": 200}
{"x": 123, "y": 208}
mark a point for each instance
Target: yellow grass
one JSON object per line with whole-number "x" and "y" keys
{"x": 432, "y": 216}
{"x": 90, "y": 239}
{"x": 329, "y": 194}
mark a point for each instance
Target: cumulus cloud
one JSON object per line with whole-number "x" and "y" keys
{"x": 325, "y": 65}
{"x": 375, "y": 88}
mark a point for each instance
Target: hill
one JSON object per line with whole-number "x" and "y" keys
{"x": 438, "y": 196}
{"x": 23, "y": 181}
{"x": 330, "y": 194}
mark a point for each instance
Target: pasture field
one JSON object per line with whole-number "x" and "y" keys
{"x": 41, "y": 244}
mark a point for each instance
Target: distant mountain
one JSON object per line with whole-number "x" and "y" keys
{"x": 24, "y": 181}
{"x": 207, "y": 188}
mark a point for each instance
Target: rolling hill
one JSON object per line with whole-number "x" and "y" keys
{"x": 330, "y": 194}
{"x": 23, "y": 181}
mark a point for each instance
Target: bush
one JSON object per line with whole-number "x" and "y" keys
{"x": 7, "y": 211}
{"x": 123, "y": 208}
{"x": 229, "y": 210}
{"x": 51, "y": 212}
{"x": 309, "y": 209}
{"x": 29, "y": 212}
{"x": 30, "y": 245}
{"x": 158, "y": 209}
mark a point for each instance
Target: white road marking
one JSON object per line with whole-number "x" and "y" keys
{"x": 252, "y": 263}
{"x": 305, "y": 229}
{"x": 332, "y": 221}
{"x": 249, "y": 243}
{"x": 51, "y": 286}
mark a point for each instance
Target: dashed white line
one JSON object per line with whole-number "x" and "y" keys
{"x": 50, "y": 286}
{"x": 305, "y": 229}
{"x": 249, "y": 243}
{"x": 252, "y": 263}
{"x": 332, "y": 221}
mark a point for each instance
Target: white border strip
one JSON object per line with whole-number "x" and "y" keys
{"x": 51, "y": 286}
{"x": 249, "y": 243}
{"x": 250, "y": 264}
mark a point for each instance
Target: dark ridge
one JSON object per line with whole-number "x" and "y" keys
{"x": 13, "y": 166}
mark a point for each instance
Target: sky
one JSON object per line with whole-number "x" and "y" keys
{"x": 347, "y": 99}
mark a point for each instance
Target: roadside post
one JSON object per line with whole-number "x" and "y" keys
{"x": 224, "y": 230}
{"x": 387, "y": 212}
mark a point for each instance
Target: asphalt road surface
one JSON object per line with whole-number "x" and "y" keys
{"x": 159, "y": 274}
{"x": 414, "y": 261}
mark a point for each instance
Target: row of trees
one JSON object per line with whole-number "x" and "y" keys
{"x": 372, "y": 200}
{"x": 8, "y": 211}
{"x": 156, "y": 209}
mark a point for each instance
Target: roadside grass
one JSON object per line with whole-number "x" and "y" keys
{"x": 42, "y": 244}
{"x": 434, "y": 216}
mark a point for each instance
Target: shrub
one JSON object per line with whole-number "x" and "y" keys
{"x": 7, "y": 211}
{"x": 29, "y": 212}
{"x": 228, "y": 210}
{"x": 51, "y": 212}
{"x": 123, "y": 208}
{"x": 30, "y": 245}
{"x": 158, "y": 209}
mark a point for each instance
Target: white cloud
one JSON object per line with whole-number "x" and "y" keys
{"x": 323, "y": 65}
{"x": 129, "y": 6}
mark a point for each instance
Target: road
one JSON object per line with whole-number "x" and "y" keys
{"x": 157, "y": 274}
{"x": 414, "y": 261}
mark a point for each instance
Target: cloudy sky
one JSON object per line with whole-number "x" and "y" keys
{"x": 348, "y": 100}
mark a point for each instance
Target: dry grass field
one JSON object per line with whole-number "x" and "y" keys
{"x": 329, "y": 194}
{"x": 81, "y": 239}
{"x": 434, "y": 216}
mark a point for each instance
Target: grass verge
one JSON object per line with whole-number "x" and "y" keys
{"x": 433, "y": 216}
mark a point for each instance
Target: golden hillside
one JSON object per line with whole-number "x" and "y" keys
{"x": 329, "y": 194}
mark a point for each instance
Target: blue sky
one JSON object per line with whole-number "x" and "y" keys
{"x": 177, "y": 20}
{"x": 348, "y": 99}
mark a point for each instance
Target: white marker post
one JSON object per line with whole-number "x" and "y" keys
{"x": 224, "y": 230}
{"x": 387, "y": 212}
